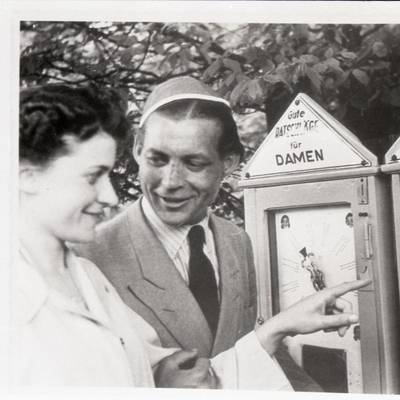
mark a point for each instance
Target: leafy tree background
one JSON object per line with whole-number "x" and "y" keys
{"x": 353, "y": 71}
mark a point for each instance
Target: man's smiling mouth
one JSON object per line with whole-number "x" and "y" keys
{"x": 174, "y": 202}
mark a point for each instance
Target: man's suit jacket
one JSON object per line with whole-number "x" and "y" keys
{"x": 128, "y": 252}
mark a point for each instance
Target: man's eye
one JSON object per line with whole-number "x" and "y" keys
{"x": 196, "y": 165}
{"x": 157, "y": 161}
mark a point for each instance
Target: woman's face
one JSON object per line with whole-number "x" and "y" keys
{"x": 73, "y": 190}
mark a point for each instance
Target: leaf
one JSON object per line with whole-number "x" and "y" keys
{"x": 308, "y": 59}
{"x": 343, "y": 79}
{"x": 27, "y": 65}
{"x": 173, "y": 60}
{"x": 314, "y": 77}
{"x": 251, "y": 54}
{"x": 361, "y": 76}
{"x": 392, "y": 96}
{"x": 300, "y": 31}
{"x": 212, "y": 70}
{"x": 153, "y": 26}
{"x": 334, "y": 64}
{"x": 124, "y": 40}
{"x": 329, "y": 83}
{"x": 381, "y": 65}
{"x": 255, "y": 91}
{"x": 199, "y": 32}
{"x": 379, "y": 49}
{"x": 185, "y": 57}
{"x": 280, "y": 59}
{"x": 329, "y": 53}
{"x": 268, "y": 66}
{"x": 99, "y": 68}
{"x": 274, "y": 78}
{"x": 230, "y": 79}
{"x": 158, "y": 48}
{"x": 360, "y": 102}
{"x": 320, "y": 67}
{"x": 232, "y": 65}
{"x": 285, "y": 74}
{"x": 126, "y": 55}
{"x": 338, "y": 37}
{"x": 237, "y": 91}
{"x": 348, "y": 54}
{"x": 203, "y": 50}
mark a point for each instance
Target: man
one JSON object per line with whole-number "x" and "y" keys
{"x": 196, "y": 287}
{"x": 186, "y": 147}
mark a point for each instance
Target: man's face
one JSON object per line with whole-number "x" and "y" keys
{"x": 180, "y": 168}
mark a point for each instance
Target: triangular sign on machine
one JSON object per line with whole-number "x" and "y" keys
{"x": 393, "y": 154}
{"x": 307, "y": 138}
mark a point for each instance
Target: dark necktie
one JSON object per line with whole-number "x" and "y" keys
{"x": 202, "y": 281}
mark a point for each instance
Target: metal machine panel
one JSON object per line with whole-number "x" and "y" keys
{"x": 314, "y": 235}
{"x": 392, "y": 168}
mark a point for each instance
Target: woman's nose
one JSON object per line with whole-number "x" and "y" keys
{"x": 106, "y": 193}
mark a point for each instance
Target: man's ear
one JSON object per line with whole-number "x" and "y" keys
{"x": 231, "y": 162}
{"x": 28, "y": 178}
{"x": 137, "y": 148}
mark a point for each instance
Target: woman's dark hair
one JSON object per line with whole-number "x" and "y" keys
{"x": 50, "y": 112}
{"x": 203, "y": 109}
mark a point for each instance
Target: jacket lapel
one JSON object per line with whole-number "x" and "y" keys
{"x": 226, "y": 245}
{"x": 160, "y": 286}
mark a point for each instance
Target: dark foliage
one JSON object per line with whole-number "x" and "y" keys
{"x": 353, "y": 71}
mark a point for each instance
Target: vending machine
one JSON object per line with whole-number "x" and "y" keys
{"x": 317, "y": 209}
{"x": 392, "y": 168}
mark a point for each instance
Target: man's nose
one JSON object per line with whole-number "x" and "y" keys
{"x": 106, "y": 193}
{"x": 173, "y": 176}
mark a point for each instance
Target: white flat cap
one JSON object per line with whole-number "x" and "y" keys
{"x": 179, "y": 88}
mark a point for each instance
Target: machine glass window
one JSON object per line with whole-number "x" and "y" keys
{"x": 315, "y": 249}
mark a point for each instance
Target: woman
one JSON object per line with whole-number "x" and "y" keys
{"x": 67, "y": 332}
{"x": 71, "y": 327}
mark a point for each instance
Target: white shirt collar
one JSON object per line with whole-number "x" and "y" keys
{"x": 31, "y": 292}
{"x": 170, "y": 236}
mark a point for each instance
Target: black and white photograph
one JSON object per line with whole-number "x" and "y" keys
{"x": 180, "y": 197}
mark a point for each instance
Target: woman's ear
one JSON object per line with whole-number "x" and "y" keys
{"x": 28, "y": 178}
{"x": 231, "y": 162}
